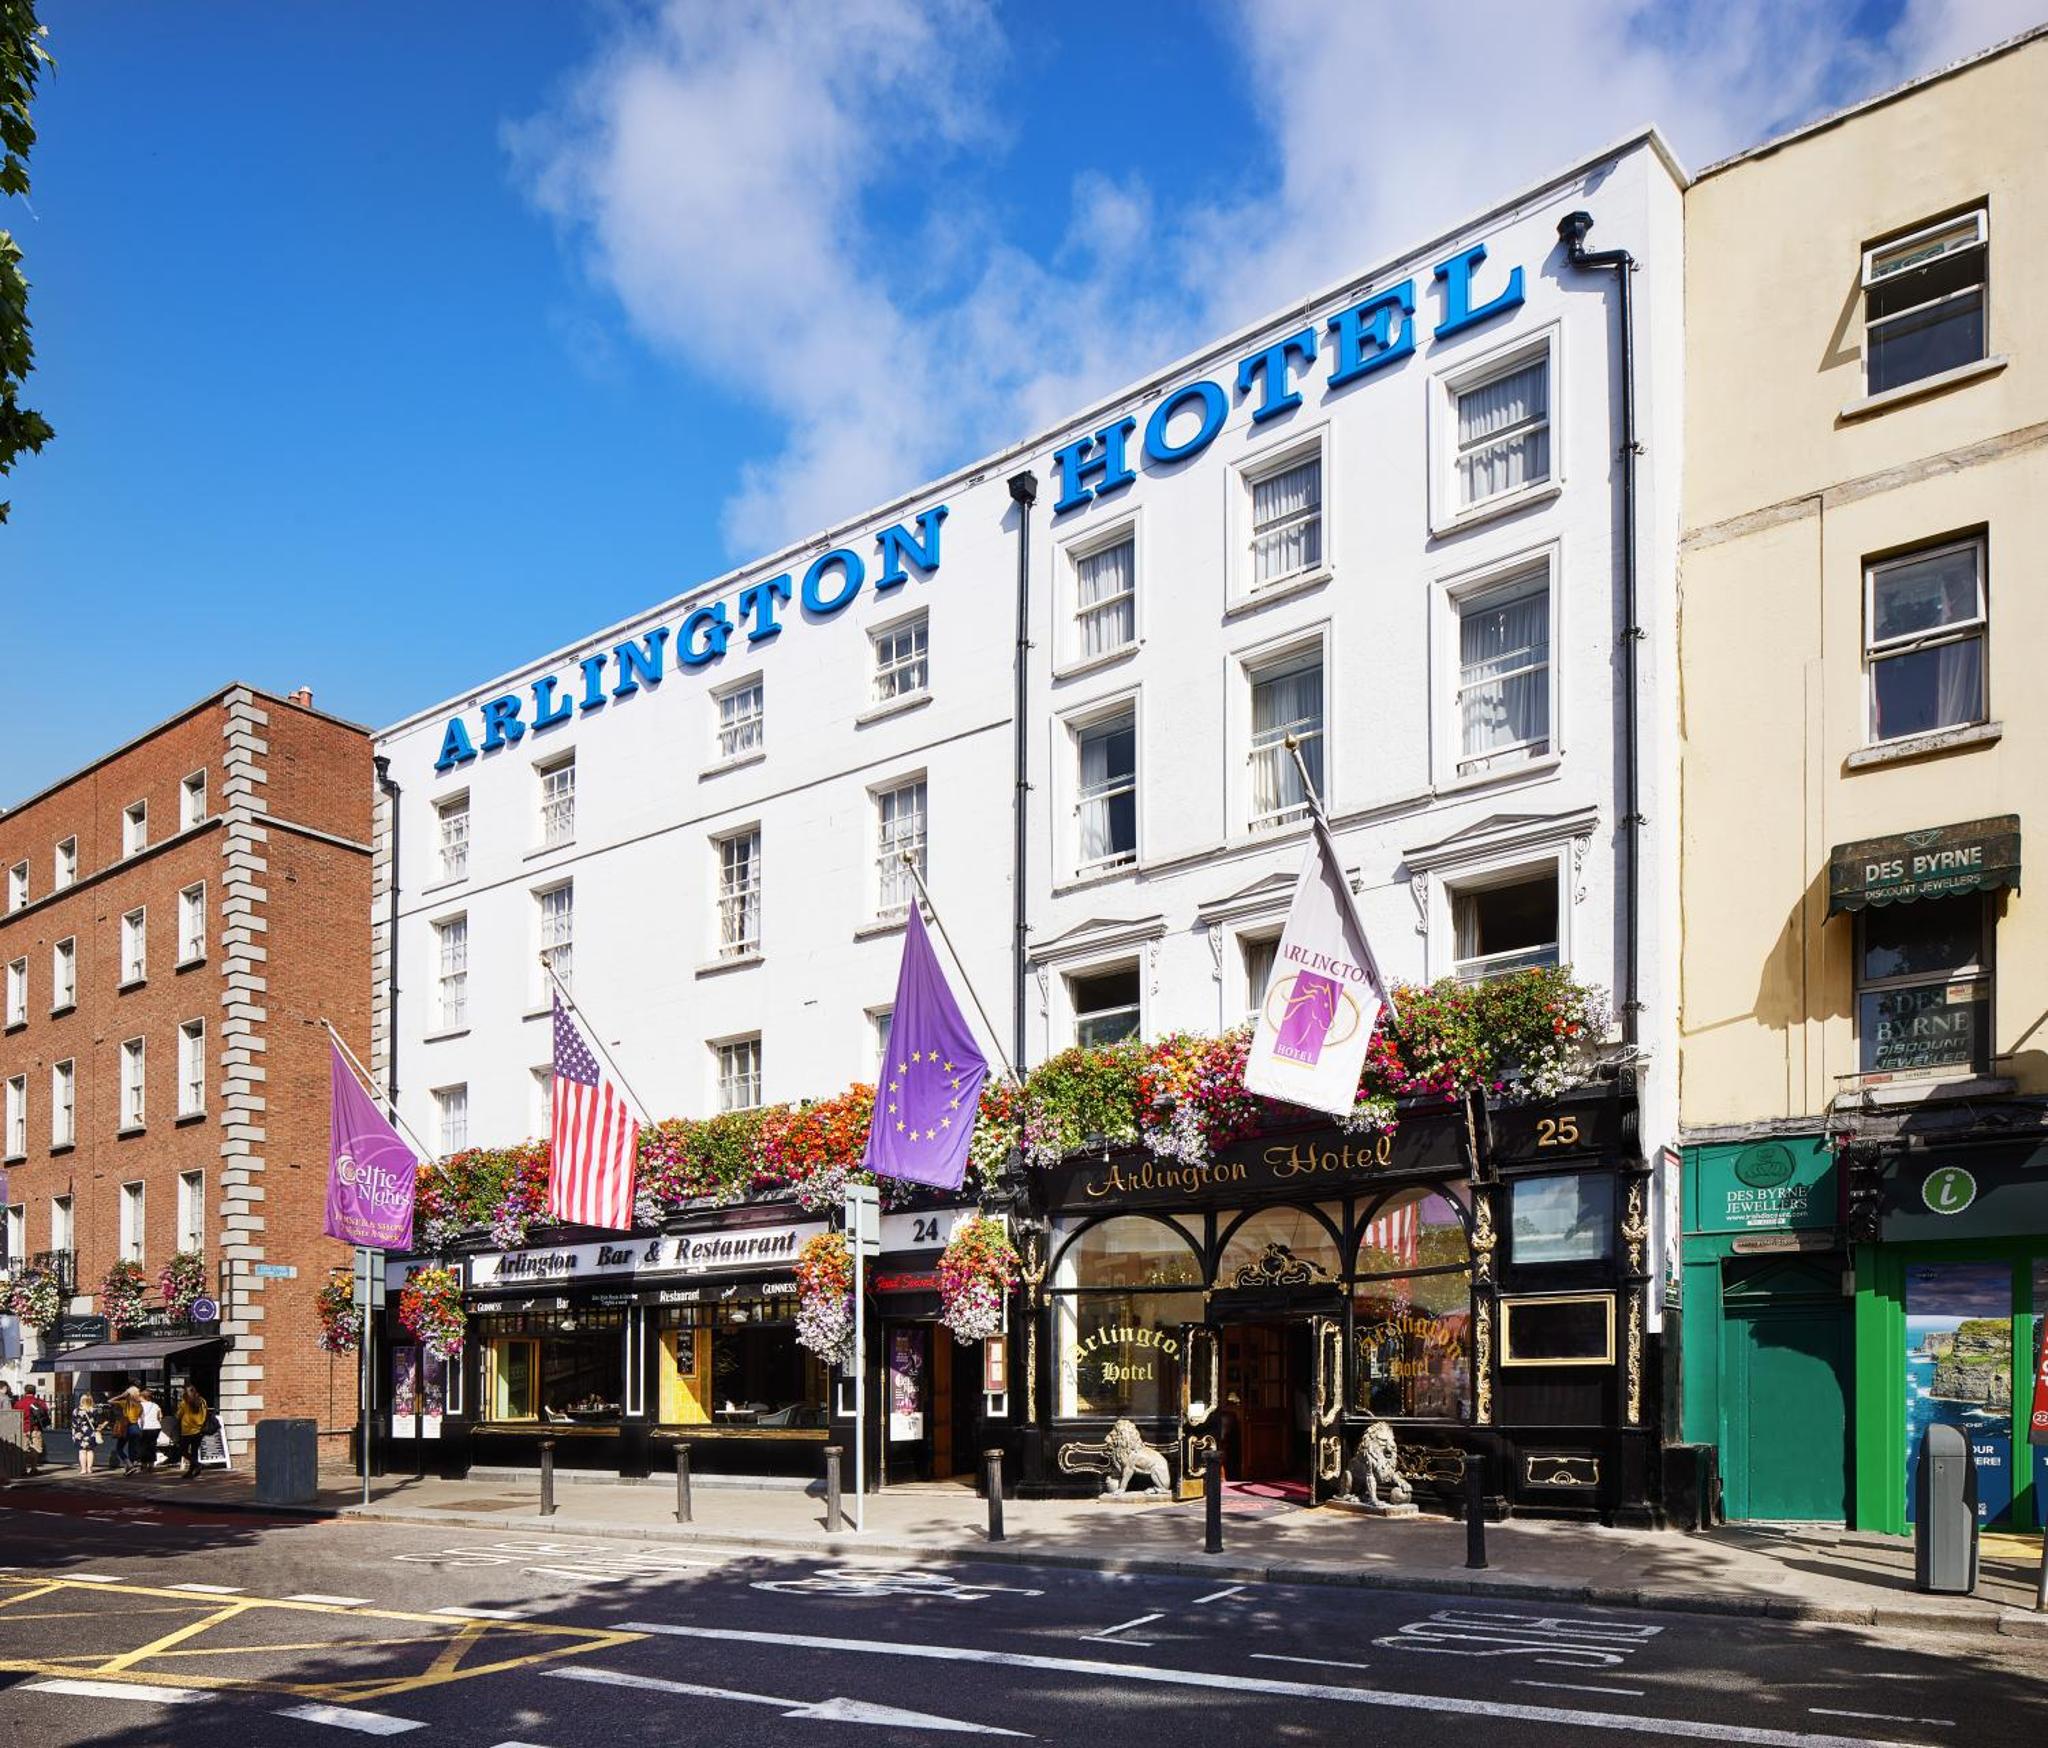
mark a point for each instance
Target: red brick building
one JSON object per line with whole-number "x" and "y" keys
{"x": 175, "y": 922}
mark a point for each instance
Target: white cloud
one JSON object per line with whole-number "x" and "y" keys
{"x": 719, "y": 169}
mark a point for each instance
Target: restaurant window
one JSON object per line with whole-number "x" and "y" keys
{"x": 1926, "y": 617}
{"x": 1923, "y": 986}
{"x": 742, "y": 719}
{"x": 451, "y": 954}
{"x": 1287, "y": 700}
{"x": 1295, "y": 1231}
{"x": 1106, "y": 1006}
{"x": 1106, "y": 599}
{"x": 1565, "y": 1217}
{"x": 556, "y": 1367}
{"x": 739, "y": 1074}
{"x": 1923, "y": 301}
{"x": 739, "y": 894}
{"x": 1124, "y": 1290}
{"x": 1504, "y": 673}
{"x": 902, "y": 660}
{"x": 1106, "y": 792}
{"x": 737, "y": 1363}
{"x": 452, "y": 819}
{"x": 1285, "y": 515}
{"x": 1411, "y": 1310}
{"x": 1504, "y": 925}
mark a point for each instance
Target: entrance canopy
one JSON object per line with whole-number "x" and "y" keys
{"x": 1980, "y": 855}
{"x": 124, "y": 1356}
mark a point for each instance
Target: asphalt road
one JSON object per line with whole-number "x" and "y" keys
{"x": 135, "y": 1625}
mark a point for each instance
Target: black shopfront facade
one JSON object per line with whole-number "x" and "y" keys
{"x": 1479, "y": 1279}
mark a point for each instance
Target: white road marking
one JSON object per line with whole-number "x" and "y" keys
{"x": 1880, "y": 1717}
{"x": 1110, "y": 1632}
{"x": 92, "y": 1578}
{"x": 484, "y": 1614}
{"x": 1580, "y": 1687}
{"x": 331, "y": 1601}
{"x": 1574, "y": 1641}
{"x": 1687, "y": 1728}
{"x": 1316, "y": 1662}
{"x": 348, "y": 1718}
{"x": 839, "y": 1710}
{"x": 210, "y": 1589}
{"x": 1218, "y": 1595}
{"x": 168, "y": 1696}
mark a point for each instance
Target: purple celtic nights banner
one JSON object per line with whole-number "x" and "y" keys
{"x": 369, "y": 1170}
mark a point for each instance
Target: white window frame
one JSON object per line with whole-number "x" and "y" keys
{"x": 451, "y": 979}
{"x": 737, "y": 902}
{"x": 191, "y": 788}
{"x": 134, "y": 1220}
{"x": 63, "y": 1225}
{"x": 1264, "y": 935}
{"x": 1251, "y": 469}
{"x": 1446, "y": 512}
{"x": 886, "y": 856}
{"x": 192, "y": 924}
{"x": 1979, "y": 221}
{"x": 881, "y": 1022}
{"x": 64, "y": 974}
{"x": 134, "y": 1107}
{"x": 1072, "y": 974}
{"x": 1068, "y": 731}
{"x": 881, "y": 673}
{"x": 17, "y": 1234}
{"x": 135, "y": 947}
{"x": 64, "y": 1103}
{"x": 1244, "y": 668}
{"x": 191, "y": 1211}
{"x": 16, "y": 1139}
{"x": 451, "y": 1118}
{"x": 556, "y": 821}
{"x": 724, "y": 1083}
{"x": 17, "y": 886}
{"x": 1962, "y": 631}
{"x": 1453, "y": 594}
{"x": 192, "y": 1068}
{"x": 17, "y": 992}
{"x": 64, "y": 865}
{"x": 544, "y": 1096}
{"x": 451, "y": 839}
{"x": 1508, "y": 870}
{"x": 555, "y": 939}
{"x": 1072, "y": 554}
{"x": 727, "y": 735}
{"x": 135, "y": 828}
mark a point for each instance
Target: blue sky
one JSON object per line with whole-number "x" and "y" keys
{"x": 387, "y": 345}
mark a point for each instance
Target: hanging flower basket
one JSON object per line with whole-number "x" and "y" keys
{"x": 976, "y": 1272}
{"x": 33, "y": 1296}
{"x": 824, "y": 1304}
{"x": 341, "y": 1327}
{"x": 430, "y": 1310}
{"x": 182, "y": 1281}
{"x": 121, "y": 1293}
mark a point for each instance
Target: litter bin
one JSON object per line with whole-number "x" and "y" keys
{"x": 1945, "y": 1514}
{"x": 287, "y": 1461}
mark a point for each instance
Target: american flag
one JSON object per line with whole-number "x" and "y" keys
{"x": 1397, "y": 1232}
{"x": 594, "y": 1136}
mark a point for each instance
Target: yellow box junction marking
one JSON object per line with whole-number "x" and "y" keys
{"x": 456, "y": 1639}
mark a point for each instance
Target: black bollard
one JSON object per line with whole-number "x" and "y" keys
{"x": 1212, "y": 1499}
{"x": 994, "y": 1460}
{"x": 1475, "y": 1513}
{"x": 833, "y": 1521}
{"x": 547, "y": 1477}
{"x": 682, "y": 1483}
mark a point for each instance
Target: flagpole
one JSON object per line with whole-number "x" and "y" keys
{"x": 390, "y": 1105}
{"x": 995, "y": 1037}
{"x": 591, "y": 1033}
{"x": 1315, "y": 801}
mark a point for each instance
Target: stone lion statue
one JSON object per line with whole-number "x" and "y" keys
{"x": 1129, "y": 1456}
{"x": 1375, "y": 1473}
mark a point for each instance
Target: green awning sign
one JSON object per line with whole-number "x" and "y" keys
{"x": 1979, "y": 855}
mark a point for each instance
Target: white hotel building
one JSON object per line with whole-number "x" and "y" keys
{"x": 1411, "y": 539}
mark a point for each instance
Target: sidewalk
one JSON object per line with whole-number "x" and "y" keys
{"x": 1791, "y": 1573}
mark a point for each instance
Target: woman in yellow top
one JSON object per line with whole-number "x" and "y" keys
{"x": 192, "y": 1416}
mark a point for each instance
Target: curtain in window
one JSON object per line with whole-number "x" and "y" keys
{"x": 1284, "y": 704}
{"x": 1504, "y": 671}
{"x": 1287, "y": 522}
{"x": 1105, "y": 601}
{"x": 1108, "y": 814}
{"x": 1504, "y": 434}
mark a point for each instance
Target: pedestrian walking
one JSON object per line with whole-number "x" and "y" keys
{"x": 85, "y": 1431}
{"x": 149, "y": 1427}
{"x": 35, "y": 1421}
{"x": 191, "y": 1415}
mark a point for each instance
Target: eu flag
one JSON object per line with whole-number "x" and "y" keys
{"x": 931, "y": 1078}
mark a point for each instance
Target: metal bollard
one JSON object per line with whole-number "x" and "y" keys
{"x": 1475, "y": 1513}
{"x": 994, "y": 1460}
{"x": 682, "y": 1483}
{"x": 833, "y": 1520}
{"x": 1212, "y": 1499}
{"x": 547, "y": 1477}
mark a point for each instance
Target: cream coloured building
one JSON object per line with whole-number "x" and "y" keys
{"x": 1863, "y": 638}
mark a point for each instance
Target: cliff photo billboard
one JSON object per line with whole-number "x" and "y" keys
{"x": 1959, "y": 1370}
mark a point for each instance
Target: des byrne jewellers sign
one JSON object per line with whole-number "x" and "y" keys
{"x": 692, "y": 1253}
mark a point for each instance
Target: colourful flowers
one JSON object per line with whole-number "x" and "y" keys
{"x": 430, "y": 1310}
{"x": 341, "y": 1325}
{"x": 121, "y": 1296}
{"x": 824, "y": 1302}
{"x": 33, "y": 1296}
{"x": 182, "y": 1281}
{"x": 977, "y": 1269}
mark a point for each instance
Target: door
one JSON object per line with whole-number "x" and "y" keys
{"x": 1258, "y": 1394}
{"x": 1201, "y": 1377}
{"x": 1785, "y": 1422}
{"x": 945, "y": 1352}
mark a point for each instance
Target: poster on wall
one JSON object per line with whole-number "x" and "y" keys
{"x": 1959, "y": 1371}
{"x": 906, "y": 1384}
{"x": 419, "y": 1392}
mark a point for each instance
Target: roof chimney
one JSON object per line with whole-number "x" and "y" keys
{"x": 303, "y": 697}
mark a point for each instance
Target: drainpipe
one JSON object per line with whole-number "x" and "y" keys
{"x": 390, "y": 789}
{"x": 1023, "y": 493}
{"x": 1571, "y": 231}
